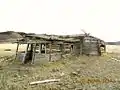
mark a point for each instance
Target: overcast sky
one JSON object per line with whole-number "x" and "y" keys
{"x": 100, "y": 18}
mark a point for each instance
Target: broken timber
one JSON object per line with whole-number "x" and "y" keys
{"x": 45, "y": 81}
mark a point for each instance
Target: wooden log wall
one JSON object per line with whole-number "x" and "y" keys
{"x": 87, "y": 45}
{"x": 76, "y": 49}
{"x": 90, "y": 46}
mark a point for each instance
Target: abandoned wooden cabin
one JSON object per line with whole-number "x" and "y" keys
{"x": 53, "y": 47}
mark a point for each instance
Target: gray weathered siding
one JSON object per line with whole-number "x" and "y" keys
{"x": 90, "y": 46}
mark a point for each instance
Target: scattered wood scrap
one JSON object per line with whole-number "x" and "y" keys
{"x": 45, "y": 81}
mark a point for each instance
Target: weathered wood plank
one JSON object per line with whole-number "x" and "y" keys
{"x": 45, "y": 48}
{"x": 40, "y": 48}
{"x": 34, "y": 41}
{"x": 33, "y": 57}
{"x": 50, "y": 46}
{"x": 62, "y": 50}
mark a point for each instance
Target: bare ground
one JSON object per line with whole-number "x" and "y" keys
{"x": 75, "y": 73}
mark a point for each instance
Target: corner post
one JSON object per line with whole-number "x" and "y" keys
{"x": 81, "y": 46}
{"x": 34, "y": 51}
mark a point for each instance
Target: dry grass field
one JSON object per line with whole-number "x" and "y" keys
{"x": 75, "y": 73}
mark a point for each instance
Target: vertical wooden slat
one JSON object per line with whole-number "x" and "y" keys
{"x": 34, "y": 51}
{"x": 17, "y": 50}
{"x": 50, "y": 46}
{"x": 40, "y": 48}
{"x": 61, "y": 49}
{"x": 71, "y": 49}
{"x": 25, "y": 53}
{"x": 45, "y": 49}
{"x": 105, "y": 48}
{"x": 81, "y": 46}
{"x": 98, "y": 48}
{"x": 90, "y": 46}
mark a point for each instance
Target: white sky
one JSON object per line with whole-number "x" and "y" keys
{"x": 101, "y": 18}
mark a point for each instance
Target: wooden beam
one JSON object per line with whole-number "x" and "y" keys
{"x": 56, "y": 42}
{"x": 81, "y": 46}
{"x": 33, "y": 57}
{"x": 37, "y": 41}
{"x": 98, "y": 48}
{"x": 61, "y": 49}
{"x": 25, "y": 53}
{"x": 17, "y": 50}
{"x": 71, "y": 49}
{"x": 105, "y": 48}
